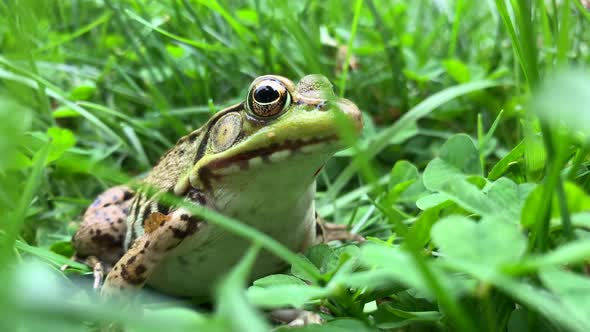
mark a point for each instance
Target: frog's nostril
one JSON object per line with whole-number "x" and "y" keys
{"x": 323, "y": 106}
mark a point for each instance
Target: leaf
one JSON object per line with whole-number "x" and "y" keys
{"x": 468, "y": 197}
{"x": 301, "y": 270}
{"x": 581, "y": 220}
{"x": 534, "y": 298}
{"x": 64, "y": 112}
{"x": 402, "y": 172}
{"x": 16, "y": 162}
{"x": 509, "y": 198}
{"x": 384, "y": 138}
{"x": 570, "y": 253}
{"x": 430, "y": 201}
{"x": 519, "y": 321}
{"x": 457, "y": 70}
{"x": 336, "y": 325}
{"x": 564, "y": 97}
{"x": 327, "y": 260}
{"x": 278, "y": 279}
{"x": 277, "y": 296}
{"x": 502, "y": 199}
{"x": 247, "y": 15}
{"x": 389, "y": 317}
{"x": 405, "y": 183}
{"x": 83, "y": 91}
{"x": 318, "y": 255}
{"x": 513, "y": 157}
{"x": 458, "y": 158}
{"x": 572, "y": 290}
{"x": 419, "y": 233}
{"x": 488, "y": 243}
{"x": 347, "y": 253}
{"x": 387, "y": 265}
{"x": 577, "y": 200}
{"x": 175, "y": 51}
{"x": 61, "y": 140}
{"x": 182, "y": 319}
{"x": 64, "y": 248}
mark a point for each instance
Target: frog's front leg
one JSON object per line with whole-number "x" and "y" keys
{"x": 162, "y": 233}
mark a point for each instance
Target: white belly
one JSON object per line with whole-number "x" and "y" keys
{"x": 286, "y": 214}
{"x": 276, "y": 199}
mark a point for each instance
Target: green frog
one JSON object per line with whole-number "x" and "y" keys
{"x": 255, "y": 162}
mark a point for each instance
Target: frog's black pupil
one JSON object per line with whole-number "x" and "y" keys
{"x": 265, "y": 94}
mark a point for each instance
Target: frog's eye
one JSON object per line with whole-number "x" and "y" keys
{"x": 268, "y": 98}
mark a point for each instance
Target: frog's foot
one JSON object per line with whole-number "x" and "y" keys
{"x": 328, "y": 232}
{"x": 102, "y": 231}
{"x": 97, "y": 270}
{"x": 162, "y": 234}
{"x": 295, "y": 317}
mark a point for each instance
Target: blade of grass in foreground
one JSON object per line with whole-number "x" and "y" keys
{"x": 14, "y": 220}
{"x": 232, "y": 302}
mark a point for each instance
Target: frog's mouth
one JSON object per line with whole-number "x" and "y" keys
{"x": 274, "y": 153}
{"x": 304, "y": 134}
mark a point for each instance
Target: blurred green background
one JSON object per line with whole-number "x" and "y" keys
{"x": 490, "y": 94}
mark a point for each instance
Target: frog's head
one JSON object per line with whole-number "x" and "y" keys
{"x": 282, "y": 134}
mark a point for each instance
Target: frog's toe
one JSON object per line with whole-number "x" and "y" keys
{"x": 296, "y": 317}
{"x": 98, "y": 271}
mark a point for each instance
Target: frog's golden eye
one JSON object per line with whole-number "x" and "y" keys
{"x": 268, "y": 98}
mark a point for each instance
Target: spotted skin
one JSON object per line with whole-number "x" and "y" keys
{"x": 164, "y": 233}
{"x": 244, "y": 163}
{"x": 101, "y": 234}
{"x": 100, "y": 238}
{"x": 102, "y": 231}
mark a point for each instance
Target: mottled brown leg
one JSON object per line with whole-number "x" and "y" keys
{"x": 99, "y": 240}
{"x": 102, "y": 231}
{"x": 162, "y": 234}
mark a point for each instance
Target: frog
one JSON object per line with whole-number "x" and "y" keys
{"x": 256, "y": 162}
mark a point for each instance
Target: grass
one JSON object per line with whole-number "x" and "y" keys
{"x": 470, "y": 181}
